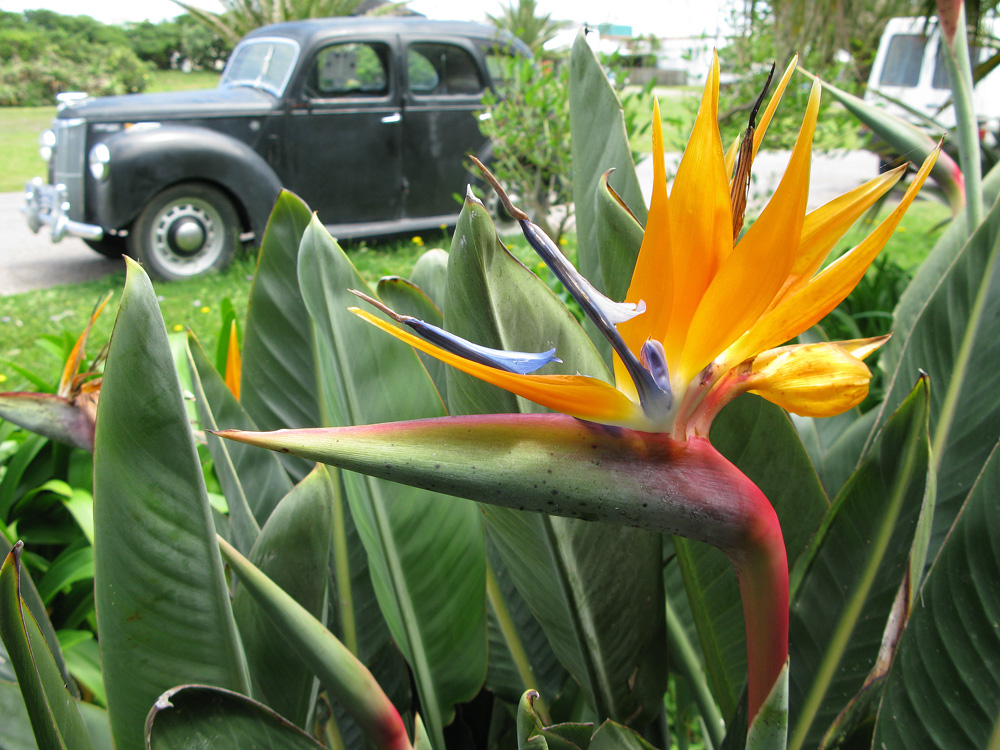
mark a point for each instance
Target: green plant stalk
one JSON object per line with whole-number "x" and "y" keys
{"x": 555, "y": 464}
{"x": 513, "y": 641}
{"x": 689, "y": 667}
{"x": 967, "y": 127}
{"x": 852, "y": 611}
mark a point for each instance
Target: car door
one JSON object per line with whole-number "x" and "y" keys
{"x": 343, "y": 137}
{"x": 442, "y": 97}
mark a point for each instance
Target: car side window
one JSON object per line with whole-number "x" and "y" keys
{"x": 442, "y": 69}
{"x": 349, "y": 70}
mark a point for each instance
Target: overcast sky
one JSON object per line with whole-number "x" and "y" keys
{"x": 665, "y": 18}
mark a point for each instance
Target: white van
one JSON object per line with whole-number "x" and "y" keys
{"x": 910, "y": 67}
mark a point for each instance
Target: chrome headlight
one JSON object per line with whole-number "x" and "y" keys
{"x": 99, "y": 161}
{"x": 46, "y": 144}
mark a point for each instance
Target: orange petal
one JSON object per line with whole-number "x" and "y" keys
{"x": 576, "y": 395}
{"x": 701, "y": 221}
{"x": 814, "y": 380}
{"x": 807, "y": 306}
{"x": 234, "y": 363}
{"x": 651, "y": 278}
{"x": 730, "y": 157}
{"x": 77, "y": 353}
{"x": 824, "y": 227}
{"x": 765, "y": 119}
{"x": 755, "y": 272}
{"x": 863, "y": 348}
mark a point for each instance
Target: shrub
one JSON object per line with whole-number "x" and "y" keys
{"x": 44, "y": 53}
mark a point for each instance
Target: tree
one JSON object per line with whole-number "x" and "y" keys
{"x": 524, "y": 22}
{"x": 243, "y": 16}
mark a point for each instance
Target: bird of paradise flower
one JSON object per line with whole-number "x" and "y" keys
{"x": 706, "y": 318}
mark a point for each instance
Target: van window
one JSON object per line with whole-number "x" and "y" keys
{"x": 903, "y": 60}
{"x": 941, "y": 79}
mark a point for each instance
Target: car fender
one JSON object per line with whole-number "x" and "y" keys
{"x": 145, "y": 161}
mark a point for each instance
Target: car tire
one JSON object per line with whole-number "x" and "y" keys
{"x": 110, "y": 246}
{"x": 187, "y": 230}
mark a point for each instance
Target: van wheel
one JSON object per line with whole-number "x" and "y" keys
{"x": 185, "y": 231}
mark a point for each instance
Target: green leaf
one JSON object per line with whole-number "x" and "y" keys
{"x": 38, "y": 610}
{"x": 243, "y": 527}
{"x": 197, "y": 716}
{"x": 841, "y": 456}
{"x": 293, "y": 550}
{"x": 279, "y": 385}
{"x": 619, "y": 237}
{"x": 612, "y": 736}
{"x": 760, "y": 441}
{"x": 426, "y": 551}
{"x": 430, "y": 273}
{"x": 159, "y": 577}
{"x": 520, "y": 655}
{"x": 260, "y": 473}
{"x": 407, "y": 298}
{"x": 17, "y": 734}
{"x": 15, "y": 468}
{"x": 84, "y": 660}
{"x": 356, "y": 618}
{"x": 55, "y": 719}
{"x": 769, "y": 730}
{"x": 844, "y": 589}
{"x": 834, "y": 444}
{"x": 70, "y": 566}
{"x": 600, "y": 143}
{"x": 595, "y": 589}
{"x": 344, "y": 677}
{"x": 943, "y": 689}
{"x": 79, "y": 502}
{"x": 955, "y": 339}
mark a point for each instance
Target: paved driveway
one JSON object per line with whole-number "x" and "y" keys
{"x": 32, "y": 261}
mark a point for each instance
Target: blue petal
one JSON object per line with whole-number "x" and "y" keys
{"x": 605, "y": 314}
{"x": 522, "y": 363}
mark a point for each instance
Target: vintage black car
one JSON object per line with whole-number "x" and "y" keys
{"x": 369, "y": 120}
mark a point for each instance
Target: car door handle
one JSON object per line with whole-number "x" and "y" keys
{"x": 394, "y": 117}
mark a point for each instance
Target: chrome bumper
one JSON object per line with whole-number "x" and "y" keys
{"x": 48, "y": 205}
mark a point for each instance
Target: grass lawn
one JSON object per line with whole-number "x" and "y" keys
{"x": 19, "y": 131}
{"x": 21, "y": 126}
{"x": 63, "y": 311}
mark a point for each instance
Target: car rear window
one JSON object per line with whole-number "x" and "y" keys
{"x": 903, "y": 60}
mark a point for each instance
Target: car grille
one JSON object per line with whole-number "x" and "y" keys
{"x": 71, "y": 142}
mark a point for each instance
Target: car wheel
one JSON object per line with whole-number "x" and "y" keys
{"x": 110, "y": 246}
{"x": 187, "y": 230}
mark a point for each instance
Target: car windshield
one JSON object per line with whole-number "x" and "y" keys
{"x": 265, "y": 63}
